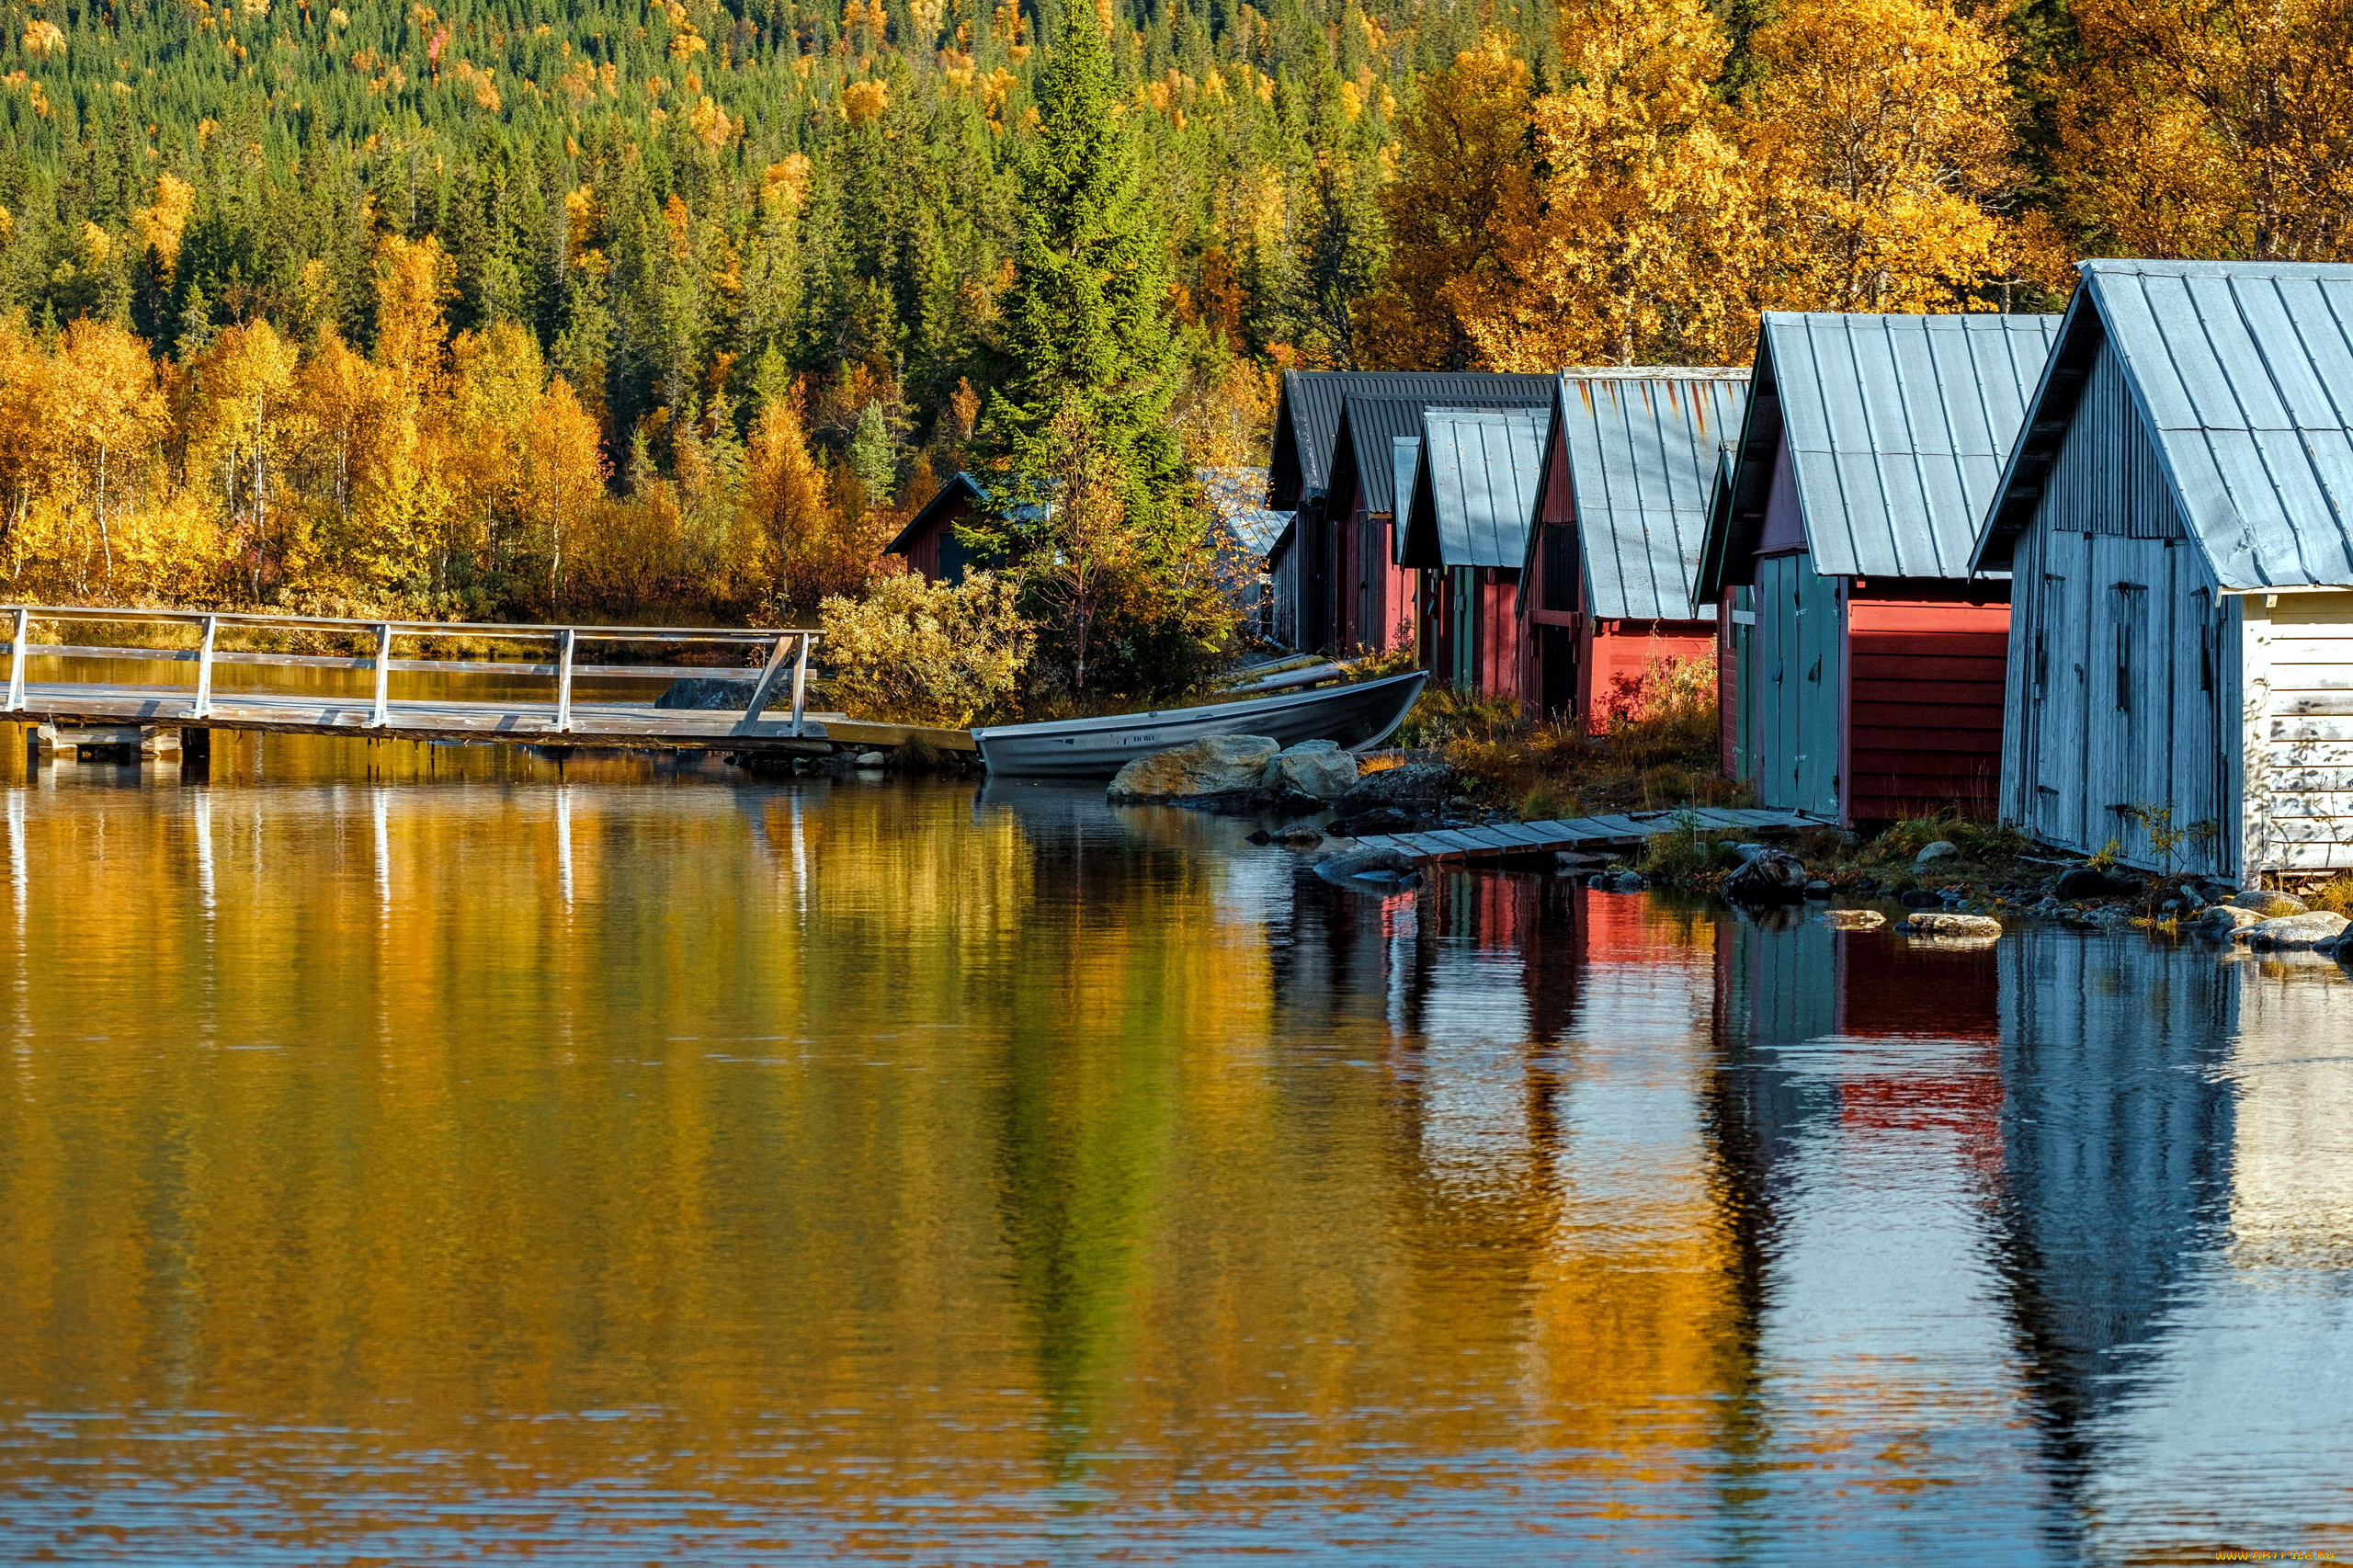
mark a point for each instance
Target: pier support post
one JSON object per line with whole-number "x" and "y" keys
{"x": 18, "y": 636}
{"x": 381, "y": 715}
{"x": 800, "y": 684}
{"x": 564, "y": 643}
{"x": 204, "y": 668}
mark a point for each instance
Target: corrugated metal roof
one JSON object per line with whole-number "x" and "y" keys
{"x": 1237, "y": 496}
{"x": 1475, "y": 489}
{"x": 1641, "y": 459}
{"x": 1362, "y": 452}
{"x": 1897, "y": 429}
{"x": 1307, "y": 413}
{"x": 2242, "y": 373}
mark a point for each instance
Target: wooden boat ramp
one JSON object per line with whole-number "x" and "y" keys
{"x": 1504, "y": 840}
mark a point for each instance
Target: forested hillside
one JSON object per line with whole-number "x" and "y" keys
{"x": 520, "y": 306}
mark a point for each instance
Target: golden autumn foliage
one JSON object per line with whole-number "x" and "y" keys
{"x": 2221, "y": 130}
{"x": 439, "y": 473}
{"x": 1885, "y": 139}
{"x": 1623, "y": 251}
{"x": 1641, "y": 213}
{"x": 926, "y": 653}
{"x": 1461, "y": 159}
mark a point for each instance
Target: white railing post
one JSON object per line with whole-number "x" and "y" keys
{"x": 564, "y": 641}
{"x": 204, "y": 669}
{"x": 767, "y": 683}
{"x": 16, "y": 660}
{"x": 800, "y": 683}
{"x": 383, "y": 715}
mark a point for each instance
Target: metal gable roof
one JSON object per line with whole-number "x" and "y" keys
{"x": 1641, "y": 462}
{"x": 1897, "y": 427}
{"x": 1404, "y": 458}
{"x": 1474, "y": 488}
{"x": 2243, "y": 375}
{"x": 1307, "y": 410}
{"x": 1362, "y": 451}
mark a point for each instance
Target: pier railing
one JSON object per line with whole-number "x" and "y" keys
{"x": 788, "y": 652}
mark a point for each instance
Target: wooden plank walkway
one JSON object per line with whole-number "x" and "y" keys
{"x": 1577, "y": 832}
{"x": 613, "y": 724}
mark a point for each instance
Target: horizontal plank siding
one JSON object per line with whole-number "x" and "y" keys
{"x": 1926, "y": 717}
{"x": 2303, "y": 742}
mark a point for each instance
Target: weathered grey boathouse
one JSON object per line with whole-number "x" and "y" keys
{"x": 2175, "y": 521}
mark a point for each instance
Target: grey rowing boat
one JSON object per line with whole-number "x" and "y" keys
{"x": 1356, "y": 716}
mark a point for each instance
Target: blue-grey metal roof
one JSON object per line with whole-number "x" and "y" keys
{"x": 1237, "y": 497}
{"x": 1897, "y": 429}
{"x": 1307, "y": 413}
{"x": 2242, "y": 373}
{"x": 1474, "y": 488}
{"x": 1404, "y": 457}
{"x": 1642, "y": 452}
{"x": 1361, "y": 450}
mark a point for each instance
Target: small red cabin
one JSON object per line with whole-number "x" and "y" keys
{"x": 1605, "y": 594}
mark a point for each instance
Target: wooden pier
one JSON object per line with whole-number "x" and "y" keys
{"x": 561, "y": 719}
{"x": 1502, "y": 839}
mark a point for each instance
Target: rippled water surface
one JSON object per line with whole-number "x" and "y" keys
{"x": 436, "y": 1156}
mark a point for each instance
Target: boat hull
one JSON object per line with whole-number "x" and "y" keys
{"x": 1354, "y": 716}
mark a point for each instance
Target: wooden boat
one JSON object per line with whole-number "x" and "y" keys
{"x": 1355, "y": 716}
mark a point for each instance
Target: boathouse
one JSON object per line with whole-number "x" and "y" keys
{"x": 1325, "y": 596}
{"x": 1862, "y": 662}
{"x": 1466, "y": 531}
{"x": 2177, "y": 518}
{"x": 1604, "y": 591}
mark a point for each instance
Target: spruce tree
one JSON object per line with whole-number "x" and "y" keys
{"x": 1092, "y": 358}
{"x": 1084, "y": 465}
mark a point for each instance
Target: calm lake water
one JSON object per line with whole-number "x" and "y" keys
{"x": 430, "y": 1155}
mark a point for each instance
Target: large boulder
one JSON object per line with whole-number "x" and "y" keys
{"x": 2223, "y": 919}
{"x": 1314, "y": 768}
{"x": 1767, "y": 876}
{"x": 1221, "y": 765}
{"x": 2090, "y": 882}
{"x": 2268, "y": 903}
{"x": 2319, "y": 928}
{"x": 1416, "y": 786}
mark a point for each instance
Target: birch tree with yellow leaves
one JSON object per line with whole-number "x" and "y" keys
{"x": 2211, "y": 129}
{"x": 1628, "y": 248}
{"x": 1883, "y": 138}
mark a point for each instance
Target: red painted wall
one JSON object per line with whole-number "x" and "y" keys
{"x": 1924, "y": 702}
{"x": 1616, "y": 653}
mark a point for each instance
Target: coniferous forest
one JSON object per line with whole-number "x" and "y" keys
{"x": 610, "y": 308}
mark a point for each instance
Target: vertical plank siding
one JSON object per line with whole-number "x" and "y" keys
{"x": 2125, "y": 678}
{"x": 1798, "y": 669}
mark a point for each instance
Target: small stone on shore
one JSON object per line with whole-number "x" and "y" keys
{"x": 1927, "y": 923}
